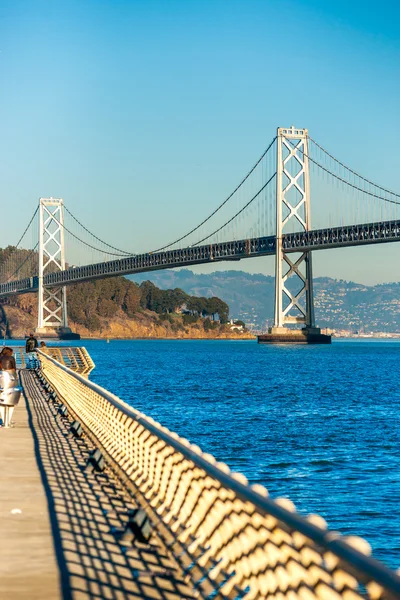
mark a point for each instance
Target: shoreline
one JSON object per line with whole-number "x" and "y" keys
{"x": 152, "y": 338}
{"x": 395, "y": 337}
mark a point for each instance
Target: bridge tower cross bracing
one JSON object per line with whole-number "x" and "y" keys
{"x": 52, "y": 305}
{"x": 293, "y": 276}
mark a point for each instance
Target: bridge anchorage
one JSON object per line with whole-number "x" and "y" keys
{"x": 293, "y": 272}
{"x": 52, "y": 302}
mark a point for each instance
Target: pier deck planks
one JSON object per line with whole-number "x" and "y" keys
{"x": 65, "y": 543}
{"x": 28, "y": 565}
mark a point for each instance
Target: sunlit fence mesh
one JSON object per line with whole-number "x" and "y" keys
{"x": 77, "y": 359}
{"x": 230, "y": 539}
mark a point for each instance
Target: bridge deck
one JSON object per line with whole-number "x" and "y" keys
{"x": 302, "y": 241}
{"x": 66, "y": 541}
{"x": 28, "y": 564}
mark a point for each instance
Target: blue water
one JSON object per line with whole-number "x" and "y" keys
{"x": 317, "y": 424}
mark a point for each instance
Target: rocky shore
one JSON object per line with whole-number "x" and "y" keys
{"x": 18, "y": 321}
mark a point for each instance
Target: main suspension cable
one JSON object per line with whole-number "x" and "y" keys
{"x": 27, "y": 227}
{"x": 238, "y": 213}
{"x": 22, "y": 264}
{"x": 89, "y": 245}
{"x": 221, "y": 205}
{"x": 95, "y": 236}
{"x": 354, "y": 172}
{"x": 18, "y": 243}
{"x": 344, "y": 180}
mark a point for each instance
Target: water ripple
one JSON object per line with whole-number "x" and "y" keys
{"x": 320, "y": 425}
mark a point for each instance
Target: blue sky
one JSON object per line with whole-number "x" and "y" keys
{"x": 144, "y": 115}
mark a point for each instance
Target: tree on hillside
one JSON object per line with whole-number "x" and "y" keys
{"x": 121, "y": 286}
{"x": 150, "y": 296}
{"x": 82, "y": 302}
{"x": 106, "y": 308}
{"x": 131, "y": 302}
{"x": 179, "y": 298}
{"x": 171, "y": 300}
{"x": 216, "y": 306}
{"x": 195, "y": 305}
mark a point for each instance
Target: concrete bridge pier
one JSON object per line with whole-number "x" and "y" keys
{"x": 284, "y": 335}
{"x": 61, "y": 333}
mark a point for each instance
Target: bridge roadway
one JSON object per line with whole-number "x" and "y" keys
{"x": 59, "y": 525}
{"x": 317, "y": 239}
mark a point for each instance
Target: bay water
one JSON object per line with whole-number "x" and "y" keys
{"x": 317, "y": 424}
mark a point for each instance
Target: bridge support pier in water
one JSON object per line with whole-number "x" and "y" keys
{"x": 284, "y": 335}
{"x": 294, "y": 303}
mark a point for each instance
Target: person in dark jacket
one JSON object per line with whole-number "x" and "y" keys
{"x": 30, "y": 348}
{"x": 31, "y": 344}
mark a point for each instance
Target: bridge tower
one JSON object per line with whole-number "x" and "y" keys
{"x": 52, "y": 304}
{"x": 294, "y": 304}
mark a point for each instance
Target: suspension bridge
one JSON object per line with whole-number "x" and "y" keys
{"x": 268, "y": 213}
{"x": 101, "y": 501}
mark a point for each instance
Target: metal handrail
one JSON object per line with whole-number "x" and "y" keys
{"x": 351, "y": 551}
{"x": 78, "y": 358}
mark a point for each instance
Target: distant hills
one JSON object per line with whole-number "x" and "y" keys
{"x": 338, "y": 304}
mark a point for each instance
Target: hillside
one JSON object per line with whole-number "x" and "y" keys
{"x": 119, "y": 308}
{"x": 338, "y": 304}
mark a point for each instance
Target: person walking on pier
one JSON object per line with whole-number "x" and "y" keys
{"x": 30, "y": 349}
{"x": 9, "y": 390}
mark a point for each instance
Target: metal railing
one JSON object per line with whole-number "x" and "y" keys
{"x": 77, "y": 359}
{"x": 230, "y": 538}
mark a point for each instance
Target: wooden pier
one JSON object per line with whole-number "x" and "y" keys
{"x": 28, "y": 562}
{"x": 79, "y": 464}
{"x": 59, "y": 525}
